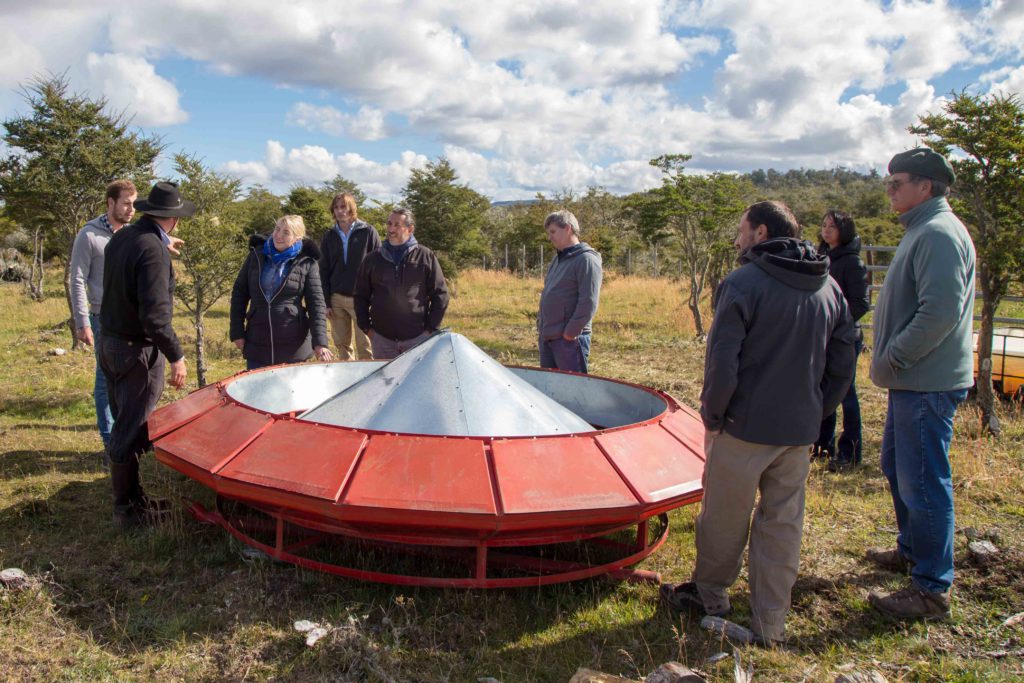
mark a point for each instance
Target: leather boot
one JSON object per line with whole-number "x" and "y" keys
{"x": 124, "y": 478}
{"x": 152, "y": 509}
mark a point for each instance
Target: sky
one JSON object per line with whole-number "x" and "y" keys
{"x": 521, "y": 96}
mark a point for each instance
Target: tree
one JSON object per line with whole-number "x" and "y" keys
{"x": 214, "y": 247}
{"x": 64, "y": 154}
{"x": 449, "y": 216}
{"x": 339, "y": 184}
{"x": 987, "y": 195}
{"x": 257, "y": 213}
{"x": 698, "y": 213}
{"x": 315, "y": 208}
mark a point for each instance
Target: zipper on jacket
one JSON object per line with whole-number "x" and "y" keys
{"x": 270, "y": 300}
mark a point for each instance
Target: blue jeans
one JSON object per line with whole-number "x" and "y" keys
{"x": 104, "y": 418}
{"x": 559, "y": 354}
{"x": 915, "y": 460}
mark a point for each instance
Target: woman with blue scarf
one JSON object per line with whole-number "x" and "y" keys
{"x": 277, "y": 303}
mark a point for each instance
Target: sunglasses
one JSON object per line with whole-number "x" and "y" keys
{"x": 894, "y": 184}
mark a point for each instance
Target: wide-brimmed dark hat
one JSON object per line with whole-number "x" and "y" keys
{"x": 165, "y": 201}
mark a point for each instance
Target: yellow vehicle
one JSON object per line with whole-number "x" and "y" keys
{"x": 1007, "y": 360}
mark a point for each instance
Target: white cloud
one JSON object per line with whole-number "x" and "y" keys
{"x": 312, "y": 165}
{"x": 19, "y": 60}
{"x": 1007, "y": 80}
{"x": 365, "y": 124}
{"x": 528, "y": 95}
{"x": 131, "y": 84}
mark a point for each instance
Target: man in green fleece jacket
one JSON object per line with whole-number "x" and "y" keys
{"x": 922, "y": 354}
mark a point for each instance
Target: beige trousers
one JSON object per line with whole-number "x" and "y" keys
{"x": 734, "y": 472}
{"x": 344, "y": 328}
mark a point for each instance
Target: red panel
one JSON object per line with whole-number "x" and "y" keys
{"x": 216, "y": 436}
{"x": 423, "y": 473}
{"x": 298, "y": 457}
{"x": 688, "y": 428}
{"x": 556, "y": 474}
{"x": 654, "y": 462}
{"x": 172, "y": 416}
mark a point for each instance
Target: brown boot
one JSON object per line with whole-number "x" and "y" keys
{"x": 889, "y": 558}
{"x": 912, "y": 603}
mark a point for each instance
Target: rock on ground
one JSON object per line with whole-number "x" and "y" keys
{"x": 674, "y": 672}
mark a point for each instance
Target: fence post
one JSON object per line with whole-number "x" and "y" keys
{"x": 629, "y": 261}
{"x": 524, "y": 263}
{"x": 655, "y": 261}
{"x": 541, "y": 266}
{"x": 506, "y": 256}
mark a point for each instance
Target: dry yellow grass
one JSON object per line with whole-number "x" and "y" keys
{"x": 182, "y": 603}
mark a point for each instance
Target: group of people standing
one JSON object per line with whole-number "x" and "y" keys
{"x": 380, "y": 298}
{"x": 781, "y": 358}
{"x": 781, "y": 354}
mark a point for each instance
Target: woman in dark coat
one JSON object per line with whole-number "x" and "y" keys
{"x": 840, "y": 242}
{"x": 269, "y": 323}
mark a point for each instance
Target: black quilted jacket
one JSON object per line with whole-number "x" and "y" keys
{"x": 287, "y": 327}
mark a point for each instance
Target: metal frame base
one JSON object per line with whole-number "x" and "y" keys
{"x": 477, "y": 552}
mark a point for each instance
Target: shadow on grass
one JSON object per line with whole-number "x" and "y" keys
{"x": 86, "y": 427}
{"x": 36, "y": 406}
{"x": 18, "y": 464}
{"x": 189, "y": 585}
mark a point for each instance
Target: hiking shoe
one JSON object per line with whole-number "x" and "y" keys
{"x": 889, "y": 558}
{"x": 912, "y": 603}
{"x": 767, "y": 643}
{"x": 684, "y": 597}
{"x": 840, "y": 465}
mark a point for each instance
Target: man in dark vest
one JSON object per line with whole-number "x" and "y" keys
{"x": 138, "y": 292}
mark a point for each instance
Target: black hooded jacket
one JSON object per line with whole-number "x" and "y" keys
{"x": 780, "y": 353}
{"x": 278, "y": 331}
{"x": 846, "y": 268}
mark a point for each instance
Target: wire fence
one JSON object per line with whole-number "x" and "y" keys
{"x": 533, "y": 260}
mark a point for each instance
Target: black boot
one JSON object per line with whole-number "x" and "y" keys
{"x": 825, "y": 451}
{"x": 124, "y": 478}
{"x": 152, "y": 509}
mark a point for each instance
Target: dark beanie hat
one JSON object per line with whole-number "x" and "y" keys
{"x": 925, "y": 162}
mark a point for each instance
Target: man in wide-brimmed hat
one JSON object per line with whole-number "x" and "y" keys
{"x": 138, "y": 291}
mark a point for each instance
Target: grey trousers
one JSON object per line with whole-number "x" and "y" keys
{"x": 386, "y": 349}
{"x": 734, "y": 472}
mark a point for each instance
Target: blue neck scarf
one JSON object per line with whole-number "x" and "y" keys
{"x": 280, "y": 256}
{"x": 275, "y": 265}
{"x": 396, "y": 254}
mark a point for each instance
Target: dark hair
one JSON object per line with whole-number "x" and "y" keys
{"x": 120, "y": 187}
{"x": 939, "y": 188}
{"x": 775, "y": 216}
{"x": 407, "y": 216}
{"x": 844, "y": 222}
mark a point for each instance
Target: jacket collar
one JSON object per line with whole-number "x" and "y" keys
{"x": 923, "y": 211}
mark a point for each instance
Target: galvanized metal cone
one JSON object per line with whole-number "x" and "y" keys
{"x": 447, "y": 386}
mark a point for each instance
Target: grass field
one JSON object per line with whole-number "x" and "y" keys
{"x": 182, "y": 602}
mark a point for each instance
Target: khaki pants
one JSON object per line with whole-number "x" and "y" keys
{"x": 734, "y": 472}
{"x": 343, "y": 328}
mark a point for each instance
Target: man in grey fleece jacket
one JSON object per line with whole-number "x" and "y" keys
{"x": 572, "y": 287}
{"x": 922, "y": 353}
{"x": 87, "y": 284}
{"x": 780, "y": 355}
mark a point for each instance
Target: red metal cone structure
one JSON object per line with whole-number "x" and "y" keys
{"x": 571, "y": 457}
